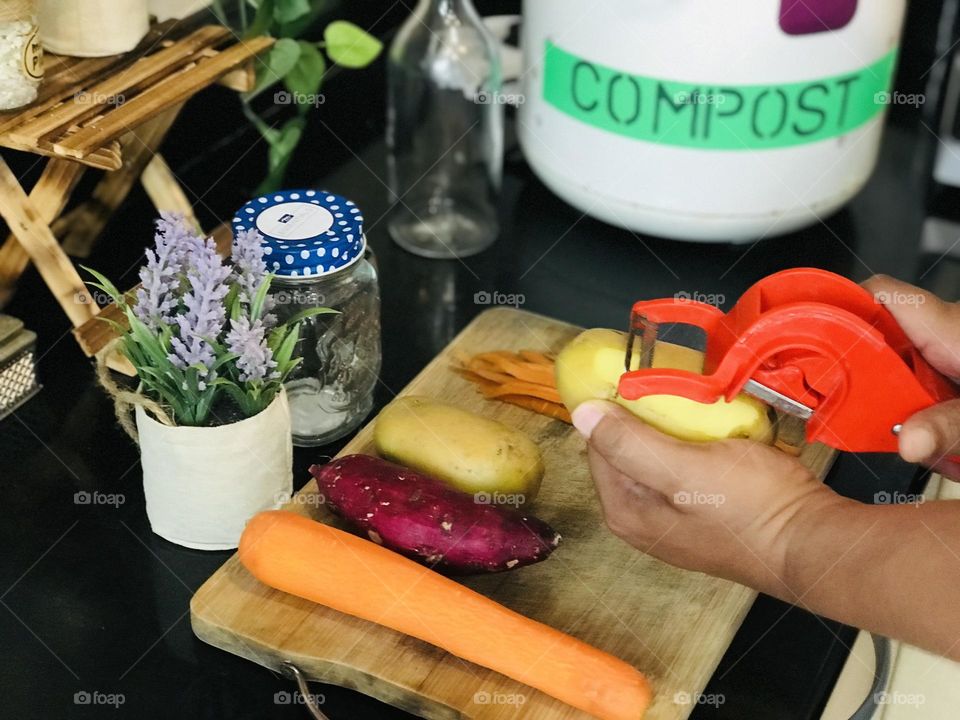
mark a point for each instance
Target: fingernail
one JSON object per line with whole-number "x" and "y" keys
{"x": 586, "y": 416}
{"x": 918, "y": 444}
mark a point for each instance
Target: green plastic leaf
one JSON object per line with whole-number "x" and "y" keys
{"x": 310, "y": 312}
{"x": 284, "y": 353}
{"x": 274, "y": 66}
{"x": 104, "y": 284}
{"x": 256, "y": 307}
{"x": 349, "y": 45}
{"x": 285, "y": 11}
{"x": 305, "y": 78}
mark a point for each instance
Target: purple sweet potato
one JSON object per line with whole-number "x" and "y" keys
{"x": 424, "y": 519}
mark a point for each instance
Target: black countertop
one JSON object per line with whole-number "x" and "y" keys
{"x": 93, "y": 602}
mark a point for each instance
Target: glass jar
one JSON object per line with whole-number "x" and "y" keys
{"x": 21, "y": 54}
{"x": 444, "y": 131}
{"x": 315, "y": 246}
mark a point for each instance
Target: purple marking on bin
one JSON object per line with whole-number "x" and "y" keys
{"x": 803, "y": 17}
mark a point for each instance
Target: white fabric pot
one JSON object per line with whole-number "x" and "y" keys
{"x": 92, "y": 28}
{"x": 202, "y": 484}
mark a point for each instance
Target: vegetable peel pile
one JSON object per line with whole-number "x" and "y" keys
{"x": 524, "y": 378}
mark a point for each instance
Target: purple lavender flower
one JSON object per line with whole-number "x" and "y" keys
{"x": 248, "y": 340}
{"x": 250, "y": 271}
{"x": 160, "y": 277}
{"x": 205, "y": 314}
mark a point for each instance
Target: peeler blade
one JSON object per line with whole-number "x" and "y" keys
{"x": 644, "y": 330}
{"x": 778, "y": 401}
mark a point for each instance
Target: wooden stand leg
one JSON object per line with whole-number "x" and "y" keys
{"x": 80, "y": 228}
{"x": 49, "y": 196}
{"x": 165, "y": 191}
{"x": 26, "y": 222}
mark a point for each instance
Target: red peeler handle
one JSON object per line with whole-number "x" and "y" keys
{"x": 812, "y": 337}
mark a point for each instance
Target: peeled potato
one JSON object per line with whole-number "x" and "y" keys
{"x": 590, "y": 366}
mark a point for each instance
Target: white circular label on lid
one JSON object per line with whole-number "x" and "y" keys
{"x": 294, "y": 221}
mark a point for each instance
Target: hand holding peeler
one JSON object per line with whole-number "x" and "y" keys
{"x": 808, "y": 343}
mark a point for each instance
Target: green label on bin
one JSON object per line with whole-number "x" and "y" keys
{"x": 713, "y": 116}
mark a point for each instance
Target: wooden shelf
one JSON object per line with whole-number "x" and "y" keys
{"x": 85, "y": 105}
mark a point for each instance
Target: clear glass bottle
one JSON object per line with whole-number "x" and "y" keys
{"x": 314, "y": 245}
{"x": 445, "y": 131}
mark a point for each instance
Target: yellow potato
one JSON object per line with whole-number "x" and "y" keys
{"x": 590, "y": 367}
{"x": 469, "y": 452}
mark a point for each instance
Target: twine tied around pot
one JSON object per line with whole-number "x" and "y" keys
{"x": 14, "y": 10}
{"x": 125, "y": 401}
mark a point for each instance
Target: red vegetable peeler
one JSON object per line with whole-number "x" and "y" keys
{"x": 807, "y": 342}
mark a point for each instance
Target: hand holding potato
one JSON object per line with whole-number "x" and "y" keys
{"x": 743, "y": 511}
{"x": 724, "y": 507}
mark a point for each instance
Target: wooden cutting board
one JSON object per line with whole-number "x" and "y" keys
{"x": 672, "y": 624}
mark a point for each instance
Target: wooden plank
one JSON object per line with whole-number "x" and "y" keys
{"x": 26, "y": 222}
{"x": 243, "y": 79}
{"x": 172, "y": 89}
{"x": 104, "y": 158}
{"x": 165, "y": 191}
{"x": 118, "y": 87}
{"x": 79, "y": 229}
{"x": 672, "y": 624}
{"x": 49, "y": 196}
{"x": 64, "y": 75}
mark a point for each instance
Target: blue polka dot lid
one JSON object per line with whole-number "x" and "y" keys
{"x": 306, "y": 233}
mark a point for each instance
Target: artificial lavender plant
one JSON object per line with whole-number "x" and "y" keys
{"x": 201, "y": 328}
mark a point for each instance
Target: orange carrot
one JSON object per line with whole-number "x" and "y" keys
{"x": 355, "y": 576}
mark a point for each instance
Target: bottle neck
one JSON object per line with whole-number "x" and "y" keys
{"x": 447, "y": 8}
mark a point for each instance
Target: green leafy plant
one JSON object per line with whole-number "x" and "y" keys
{"x": 299, "y": 65}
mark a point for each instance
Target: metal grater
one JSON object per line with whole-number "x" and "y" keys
{"x": 18, "y": 370}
